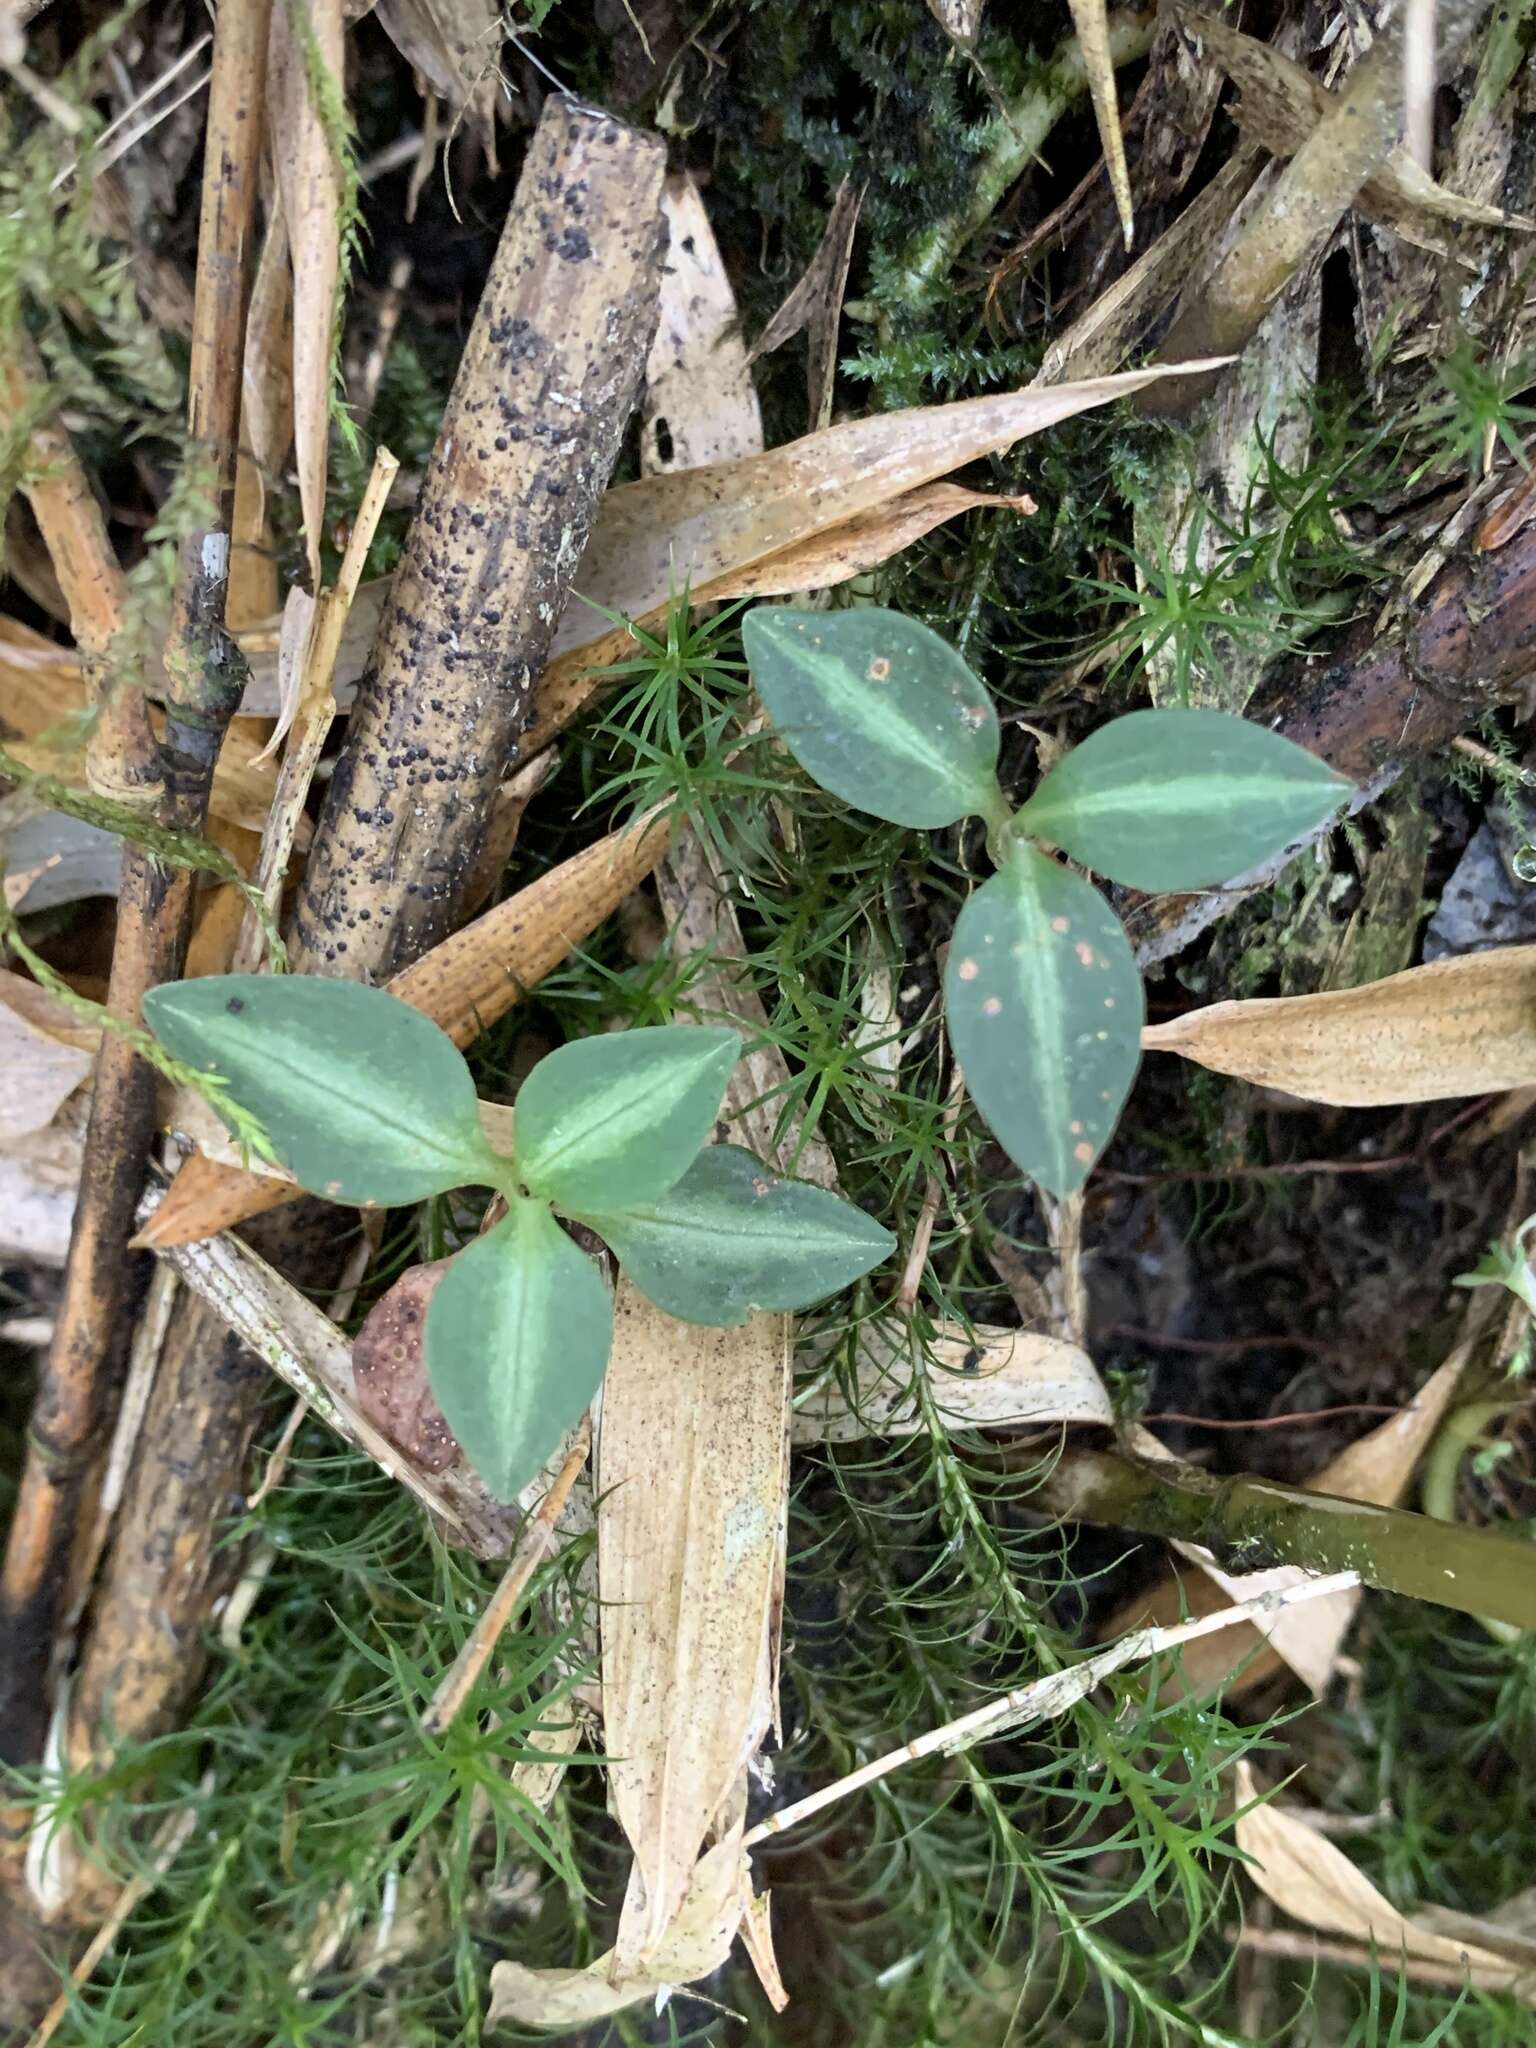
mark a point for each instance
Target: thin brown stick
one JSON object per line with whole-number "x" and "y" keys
{"x": 458, "y": 1682}
{"x": 78, "y": 1392}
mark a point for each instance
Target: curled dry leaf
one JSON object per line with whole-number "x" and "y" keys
{"x": 816, "y": 303}
{"x": 699, "y": 396}
{"x": 985, "y": 1378}
{"x": 717, "y": 528}
{"x": 309, "y": 178}
{"x": 1311, "y": 1878}
{"x": 1091, "y": 20}
{"x": 697, "y": 1942}
{"x": 44, "y": 1056}
{"x": 1465, "y": 1026}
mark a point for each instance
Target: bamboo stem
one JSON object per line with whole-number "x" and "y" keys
{"x": 78, "y": 1392}
{"x": 1253, "y": 1524}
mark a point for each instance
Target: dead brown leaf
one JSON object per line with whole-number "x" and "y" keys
{"x": 698, "y": 389}
{"x": 815, "y": 304}
{"x": 1457, "y": 1027}
{"x": 309, "y": 178}
{"x": 986, "y": 1378}
{"x": 1091, "y": 20}
{"x": 44, "y": 1056}
{"x": 1311, "y": 1878}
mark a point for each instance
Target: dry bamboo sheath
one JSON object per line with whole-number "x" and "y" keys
{"x": 548, "y": 380}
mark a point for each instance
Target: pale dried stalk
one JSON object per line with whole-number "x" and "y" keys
{"x": 459, "y": 1681}
{"x": 1042, "y": 1700}
{"x": 168, "y": 1844}
{"x": 317, "y": 711}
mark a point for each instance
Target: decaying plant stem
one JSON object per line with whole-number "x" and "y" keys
{"x": 548, "y": 379}
{"x": 79, "y": 1384}
{"x": 1250, "y": 1524}
{"x": 1017, "y": 138}
{"x": 1306, "y": 203}
{"x": 537, "y": 414}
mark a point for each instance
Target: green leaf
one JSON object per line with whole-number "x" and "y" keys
{"x": 363, "y": 1098}
{"x": 1181, "y": 799}
{"x": 518, "y": 1336}
{"x": 1044, "y": 1006}
{"x": 732, "y": 1237}
{"x": 878, "y": 710}
{"x": 616, "y": 1119}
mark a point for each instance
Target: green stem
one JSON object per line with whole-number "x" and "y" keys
{"x": 1461, "y": 1432}
{"x": 1253, "y": 1524}
{"x": 1013, "y": 143}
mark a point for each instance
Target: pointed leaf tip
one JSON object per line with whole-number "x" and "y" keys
{"x": 1182, "y": 799}
{"x": 733, "y": 1236}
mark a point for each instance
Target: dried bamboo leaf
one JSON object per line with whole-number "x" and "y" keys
{"x": 698, "y": 388}
{"x": 713, "y": 528}
{"x": 1091, "y": 20}
{"x": 309, "y": 178}
{"x": 697, "y": 1943}
{"x": 1465, "y": 1026}
{"x": 1311, "y": 1878}
{"x": 986, "y": 1379}
{"x": 816, "y": 302}
{"x": 692, "y": 1476}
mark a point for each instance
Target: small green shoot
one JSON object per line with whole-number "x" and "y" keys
{"x": 1041, "y": 993}
{"x": 365, "y": 1100}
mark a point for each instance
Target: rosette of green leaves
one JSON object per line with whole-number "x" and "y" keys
{"x": 1042, "y": 994}
{"x": 364, "y": 1100}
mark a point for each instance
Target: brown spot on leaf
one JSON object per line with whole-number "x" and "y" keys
{"x": 879, "y": 670}
{"x": 1083, "y": 1152}
{"x": 968, "y": 970}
